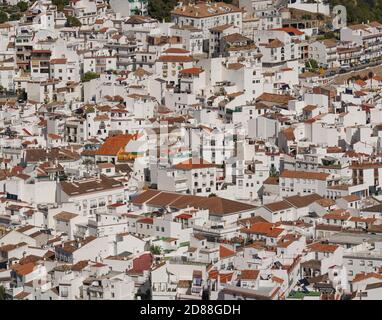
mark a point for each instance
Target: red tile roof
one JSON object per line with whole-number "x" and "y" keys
{"x": 24, "y": 269}
{"x": 290, "y": 30}
{"x": 193, "y": 164}
{"x": 142, "y": 263}
{"x": 225, "y": 277}
{"x": 146, "y": 220}
{"x": 184, "y": 216}
{"x": 192, "y": 71}
{"x": 176, "y": 50}
{"x": 172, "y": 58}
{"x": 264, "y": 228}
{"x": 113, "y": 145}
{"x": 323, "y": 247}
{"x": 249, "y": 274}
{"x": 363, "y": 276}
{"x": 304, "y": 175}
{"x": 216, "y": 205}
{"x": 224, "y": 252}
{"x": 277, "y": 279}
{"x": 339, "y": 214}
{"x": 58, "y": 61}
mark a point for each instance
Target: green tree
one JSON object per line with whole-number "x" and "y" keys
{"x": 2, "y": 293}
{"x": 88, "y": 163}
{"x": 328, "y": 35}
{"x": 3, "y": 17}
{"x": 60, "y": 4}
{"x": 89, "y": 76}
{"x": 23, "y": 6}
{"x": 155, "y": 249}
{"x": 161, "y": 9}
{"x": 23, "y": 95}
{"x": 360, "y": 11}
{"x": 90, "y": 110}
{"x": 136, "y": 11}
{"x": 72, "y": 21}
{"x": 311, "y": 65}
{"x": 15, "y": 17}
{"x": 273, "y": 172}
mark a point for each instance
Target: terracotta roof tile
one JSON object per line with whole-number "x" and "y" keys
{"x": 249, "y": 274}
{"x": 323, "y": 247}
{"x": 304, "y": 175}
{"x": 191, "y": 164}
{"x": 114, "y": 144}
{"x": 172, "y": 58}
{"x": 224, "y": 252}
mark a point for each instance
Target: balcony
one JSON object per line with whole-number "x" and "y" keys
{"x": 180, "y": 178}
{"x": 97, "y": 289}
{"x": 196, "y": 290}
{"x": 188, "y": 297}
{"x": 217, "y": 230}
{"x": 169, "y": 289}
{"x": 181, "y": 187}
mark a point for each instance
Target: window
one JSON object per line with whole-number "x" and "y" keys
{"x": 350, "y": 262}
{"x": 64, "y": 292}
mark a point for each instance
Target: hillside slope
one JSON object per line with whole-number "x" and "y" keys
{"x": 361, "y": 10}
{"x": 161, "y": 9}
{"x": 357, "y": 10}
